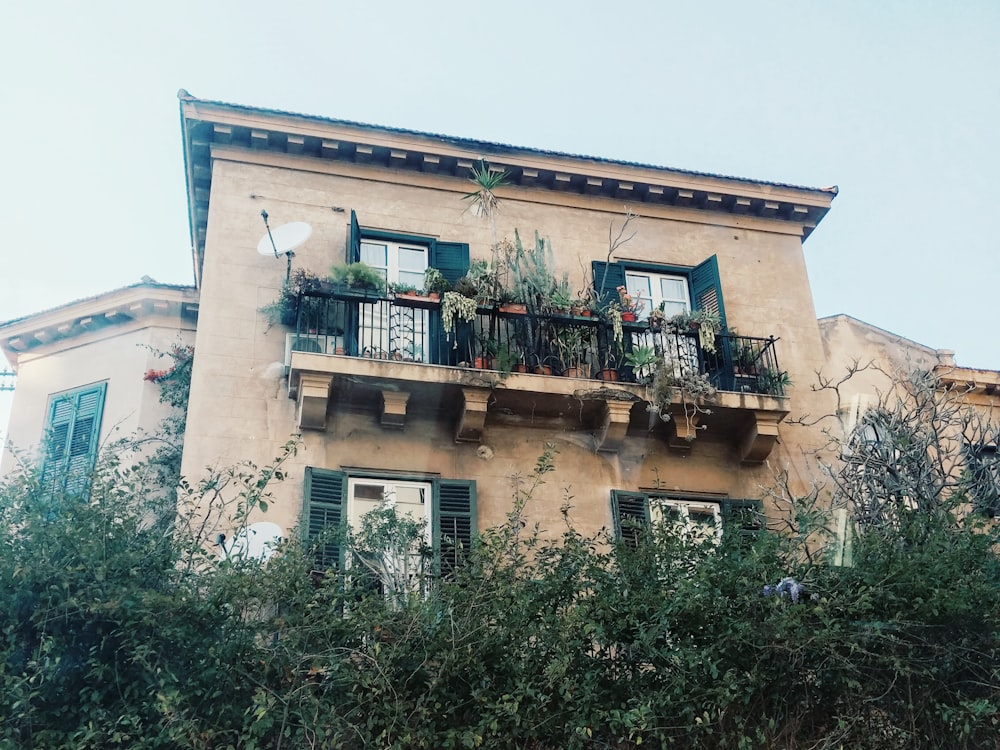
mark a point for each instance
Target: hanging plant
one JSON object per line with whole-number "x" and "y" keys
{"x": 707, "y": 325}
{"x": 455, "y": 305}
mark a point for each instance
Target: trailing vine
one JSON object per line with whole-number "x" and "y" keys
{"x": 455, "y": 305}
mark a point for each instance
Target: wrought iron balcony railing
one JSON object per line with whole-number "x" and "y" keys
{"x": 409, "y": 329}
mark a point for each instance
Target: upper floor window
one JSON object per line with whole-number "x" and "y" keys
{"x": 679, "y": 288}
{"x": 73, "y": 425}
{"x": 655, "y": 289}
{"x": 983, "y": 465}
{"x": 403, "y": 258}
{"x": 398, "y": 262}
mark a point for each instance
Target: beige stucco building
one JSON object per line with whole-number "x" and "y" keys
{"x": 80, "y": 367}
{"x": 409, "y": 416}
{"x": 433, "y": 422}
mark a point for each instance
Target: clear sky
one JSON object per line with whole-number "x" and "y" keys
{"x": 895, "y": 102}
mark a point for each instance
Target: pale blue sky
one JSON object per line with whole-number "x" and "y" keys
{"x": 895, "y": 102}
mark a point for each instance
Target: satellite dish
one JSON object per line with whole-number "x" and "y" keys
{"x": 282, "y": 240}
{"x": 256, "y": 542}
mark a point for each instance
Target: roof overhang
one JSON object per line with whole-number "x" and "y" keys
{"x": 106, "y": 314}
{"x": 210, "y": 125}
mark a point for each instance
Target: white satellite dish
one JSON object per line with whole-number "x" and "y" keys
{"x": 282, "y": 240}
{"x": 257, "y": 541}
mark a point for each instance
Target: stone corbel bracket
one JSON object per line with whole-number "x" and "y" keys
{"x": 394, "y": 409}
{"x": 472, "y": 418}
{"x": 610, "y": 436}
{"x": 684, "y": 419}
{"x": 758, "y": 440}
{"x": 313, "y": 397}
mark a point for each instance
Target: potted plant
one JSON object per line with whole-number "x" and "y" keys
{"x": 568, "y": 341}
{"x": 435, "y": 283}
{"x": 773, "y": 382}
{"x": 358, "y": 276}
{"x": 285, "y": 308}
{"x": 657, "y": 316}
{"x": 629, "y": 305}
{"x": 455, "y": 305}
{"x": 642, "y": 360}
{"x": 702, "y": 323}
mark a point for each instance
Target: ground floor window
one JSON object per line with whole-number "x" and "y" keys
{"x": 438, "y": 514}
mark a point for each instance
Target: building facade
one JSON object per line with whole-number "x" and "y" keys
{"x": 400, "y": 409}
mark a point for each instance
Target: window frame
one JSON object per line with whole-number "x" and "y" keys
{"x": 704, "y": 281}
{"x": 333, "y": 509}
{"x": 632, "y": 516}
{"x": 68, "y": 472}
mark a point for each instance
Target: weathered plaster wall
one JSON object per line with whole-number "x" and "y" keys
{"x": 240, "y": 409}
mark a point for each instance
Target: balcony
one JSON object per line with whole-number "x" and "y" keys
{"x": 513, "y": 367}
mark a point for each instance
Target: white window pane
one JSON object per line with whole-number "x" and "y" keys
{"x": 638, "y": 285}
{"x": 674, "y": 289}
{"x": 374, "y": 254}
{"x": 674, "y": 308}
{"x": 413, "y": 259}
{"x": 411, "y": 278}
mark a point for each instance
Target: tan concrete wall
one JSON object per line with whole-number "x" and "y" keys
{"x": 240, "y": 411}
{"x": 120, "y": 358}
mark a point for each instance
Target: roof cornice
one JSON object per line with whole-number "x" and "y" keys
{"x": 105, "y": 313}
{"x": 208, "y": 124}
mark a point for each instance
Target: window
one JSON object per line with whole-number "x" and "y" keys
{"x": 447, "y": 507}
{"x": 983, "y": 462}
{"x": 72, "y": 428}
{"x": 697, "y": 517}
{"x": 379, "y": 330}
{"x": 655, "y": 289}
{"x": 677, "y": 287}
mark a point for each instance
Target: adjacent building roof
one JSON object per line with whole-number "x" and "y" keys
{"x": 110, "y": 310}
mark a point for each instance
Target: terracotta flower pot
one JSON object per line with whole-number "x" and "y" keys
{"x": 608, "y": 373}
{"x": 628, "y": 317}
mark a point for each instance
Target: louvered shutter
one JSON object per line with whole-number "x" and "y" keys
{"x": 742, "y": 517}
{"x": 323, "y": 514}
{"x": 354, "y": 240}
{"x": 706, "y": 288}
{"x": 450, "y": 258}
{"x": 607, "y": 278}
{"x": 455, "y": 522}
{"x": 630, "y": 512}
{"x": 71, "y": 439}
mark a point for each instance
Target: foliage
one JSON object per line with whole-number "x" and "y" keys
{"x": 435, "y": 281}
{"x": 284, "y": 309}
{"x": 358, "y": 275}
{"x": 642, "y": 360}
{"x": 124, "y": 629}
{"x": 706, "y": 324}
{"x": 773, "y": 382}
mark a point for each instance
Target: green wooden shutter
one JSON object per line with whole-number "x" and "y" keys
{"x": 72, "y": 433}
{"x": 630, "y": 512}
{"x": 454, "y": 522}
{"x": 323, "y": 514}
{"x": 450, "y": 258}
{"x": 742, "y": 517}
{"x": 354, "y": 241}
{"x": 607, "y": 278}
{"x": 706, "y": 288}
